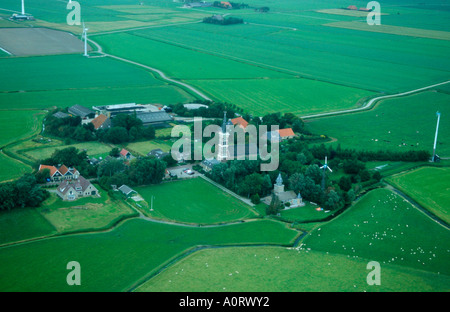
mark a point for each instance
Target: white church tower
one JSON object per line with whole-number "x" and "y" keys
{"x": 223, "y": 153}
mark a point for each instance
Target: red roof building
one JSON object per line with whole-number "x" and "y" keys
{"x": 240, "y": 121}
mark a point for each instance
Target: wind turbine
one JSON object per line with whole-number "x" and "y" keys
{"x": 435, "y": 137}
{"x": 23, "y": 7}
{"x": 324, "y": 168}
{"x": 85, "y": 39}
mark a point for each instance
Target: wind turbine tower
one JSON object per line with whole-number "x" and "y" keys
{"x": 324, "y": 167}
{"x": 435, "y": 137}
{"x": 23, "y": 7}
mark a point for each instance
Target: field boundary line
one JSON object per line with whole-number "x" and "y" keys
{"x": 246, "y": 201}
{"x": 371, "y": 102}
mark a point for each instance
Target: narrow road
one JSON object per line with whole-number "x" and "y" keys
{"x": 160, "y": 73}
{"x": 373, "y": 101}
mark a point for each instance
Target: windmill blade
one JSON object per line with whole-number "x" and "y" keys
{"x": 329, "y": 169}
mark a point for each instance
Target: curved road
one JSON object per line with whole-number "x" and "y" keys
{"x": 372, "y": 101}
{"x": 160, "y": 73}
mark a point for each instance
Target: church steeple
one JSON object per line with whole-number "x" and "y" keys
{"x": 223, "y": 153}
{"x": 224, "y": 123}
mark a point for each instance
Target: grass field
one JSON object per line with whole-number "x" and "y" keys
{"x": 11, "y": 169}
{"x": 383, "y": 227}
{"x": 428, "y": 186}
{"x": 93, "y": 81}
{"x": 406, "y": 123}
{"x": 21, "y": 123}
{"x": 276, "y": 269}
{"x": 143, "y": 148}
{"x": 121, "y": 257}
{"x": 92, "y": 149}
{"x": 88, "y": 213}
{"x": 193, "y": 201}
{"x": 21, "y": 224}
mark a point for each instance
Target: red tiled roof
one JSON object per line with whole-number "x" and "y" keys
{"x": 52, "y": 169}
{"x": 286, "y": 132}
{"x": 241, "y": 121}
{"x": 98, "y": 121}
{"x": 124, "y": 152}
{"x": 63, "y": 169}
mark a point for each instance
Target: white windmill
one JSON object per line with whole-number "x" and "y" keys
{"x": 435, "y": 157}
{"x": 23, "y": 7}
{"x": 324, "y": 168}
{"x": 85, "y": 39}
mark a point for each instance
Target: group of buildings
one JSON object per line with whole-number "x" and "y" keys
{"x": 102, "y": 117}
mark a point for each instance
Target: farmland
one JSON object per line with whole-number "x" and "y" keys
{"x": 406, "y": 123}
{"x": 193, "y": 201}
{"x": 428, "y": 186}
{"x": 302, "y": 57}
{"x": 385, "y": 227}
{"x": 147, "y": 245}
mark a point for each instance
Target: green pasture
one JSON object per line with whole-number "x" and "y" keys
{"x": 298, "y": 96}
{"x": 41, "y": 82}
{"x": 122, "y": 257}
{"x": 23, "y": 223}
{"x": 400, "y": 124}
{"x": 193, "y": 201}
{"x": 21, "y": 123}
{"x": 143, "y": 148}
{"x": 88, "y": 213}
{"x": 384, "y": 227}
{"x": 11, "y": 169}
{"x": 91, "y": 148}
{"x": 88, "y": 97}
{"x": 306, "y": 213}
{"x": 429, "y": 186}
{"x": 277, "y": 269}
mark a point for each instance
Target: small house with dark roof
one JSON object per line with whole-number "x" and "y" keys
{"x": 158, "y": 153}
{"x": 159, "y": 118}
{"x": 127, "y": 191}
{"x": 60, "y": 115}
{"x": 74, "y": 189}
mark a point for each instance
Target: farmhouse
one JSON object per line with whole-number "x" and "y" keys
{"x": 281, "y": 134}
{"x": 101, "y": 122}
{"x": 125, "y": 154}
{"x": 158, "y": 153}
{"x": 61, "y": 173}
{"x": 352, "y": 7}
{"x": 81, "y": 111}
{"x": 74, "y": 189}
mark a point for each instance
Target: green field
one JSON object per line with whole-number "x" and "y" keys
{"x": 406, "y": 123}
{"x": 384, "y": 227}
{"x": 21, "y": 224}
{"x": 193, "y": 201}
{"x": 275, "y": 269}
{"x": 430, "y": 187}
{"x": 11, "y": 168}
{"x": 91, "y": 148}
{"x": 85, "y": 213}
{"x": 143, "y": 148}
{"x": 122, "y": 257}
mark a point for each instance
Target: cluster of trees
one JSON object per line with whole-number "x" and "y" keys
{"x": 214, "y": 110}
{"x": 139, "y": 171}
{"x": 69, "y": 128}
{"x": 126, "y": 128}
{"x": 220, "y": 20}
{"x": 24, "y": 192}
